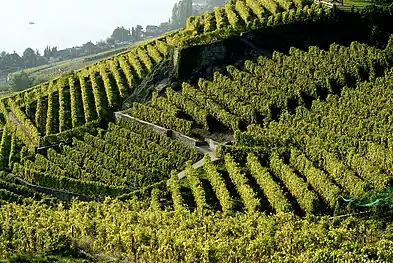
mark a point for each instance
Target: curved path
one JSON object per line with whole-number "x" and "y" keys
{"x": 207, "y": 146}
{"x": 20, "y": 125}
{"x": 205, "y": 150}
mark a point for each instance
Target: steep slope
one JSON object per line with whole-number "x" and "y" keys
{"x": 124, "y": 158}
{"x": 262, "y": 89}
{"x": 305, "y": 133}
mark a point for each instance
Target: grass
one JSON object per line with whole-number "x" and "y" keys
{"x": 358, "y": 3}
{"x": 4, "y": 92}
{"x": 46, "y": 72}
{"x": 361, "y": 3}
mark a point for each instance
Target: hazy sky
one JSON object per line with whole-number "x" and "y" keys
{"x": 67, "y": 23}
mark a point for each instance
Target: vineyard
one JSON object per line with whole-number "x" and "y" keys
{"x": 257, "y": 93}
{"x": 75, "y": 103}
{"x": 274, "y": 158}
{"x": 245, "y": 15}
{"x": 304, "y": 146}
{"x": 123, "y": 159}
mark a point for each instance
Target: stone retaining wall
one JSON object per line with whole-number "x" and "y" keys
{"x": 156, "y": 128}
{"x": 166, "y": 132}
{"x": 186, "y": 139}
{"x": 59, "y": 194}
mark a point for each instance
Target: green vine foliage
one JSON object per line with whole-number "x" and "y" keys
{"x": 144, "y": 235}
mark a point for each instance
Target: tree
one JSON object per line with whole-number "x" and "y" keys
{"x": 11, "y": 62}
{"x": 20, "y": 81}
{"x": 89, "y": 47}
{"x": 41, "y": 61}
{"x": 101, "y": 44}
{"x": 110, "y": 41}
{"x": 165, "y": 26}
{"x": 175, "y": 17}
{"x": 47, "y": 52}
{"x": 50, "y": 52}
{"x": 121, "y": 34}
{"x": 29, "y": 52}
{"x": 180, "y": 13}
{"x": 30, "y": 58}
{"x": 186, "y": 10}
{"x": 137, "y": 33}
{"x": 214, "y": 3}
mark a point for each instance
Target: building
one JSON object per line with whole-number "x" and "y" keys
{"x": 152, "y": 30}
{"x": 63, "y": 54}
{"x": 200, "y": 3}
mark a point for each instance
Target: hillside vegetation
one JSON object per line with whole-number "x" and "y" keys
{"x": 271, "y": 158}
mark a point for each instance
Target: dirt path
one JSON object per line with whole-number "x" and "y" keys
{"x": 205, "y": 150}
{"x": 18, "y": 124}
{"x": 206, "y": 147}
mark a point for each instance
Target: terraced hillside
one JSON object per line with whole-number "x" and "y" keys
{"x": 347, "y": 136}
{"x": 242, "y": 15}
{"x": 283, "y": 166}
{"x": 126, "y": 157}
{"x": 278, "y": 159}
{"x": 259, "y": 91}
{"x": 83, "y": 98}
{"x": 12, "y": 192}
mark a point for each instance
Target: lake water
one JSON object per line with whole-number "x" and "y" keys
{"x": 73, "y": 22}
